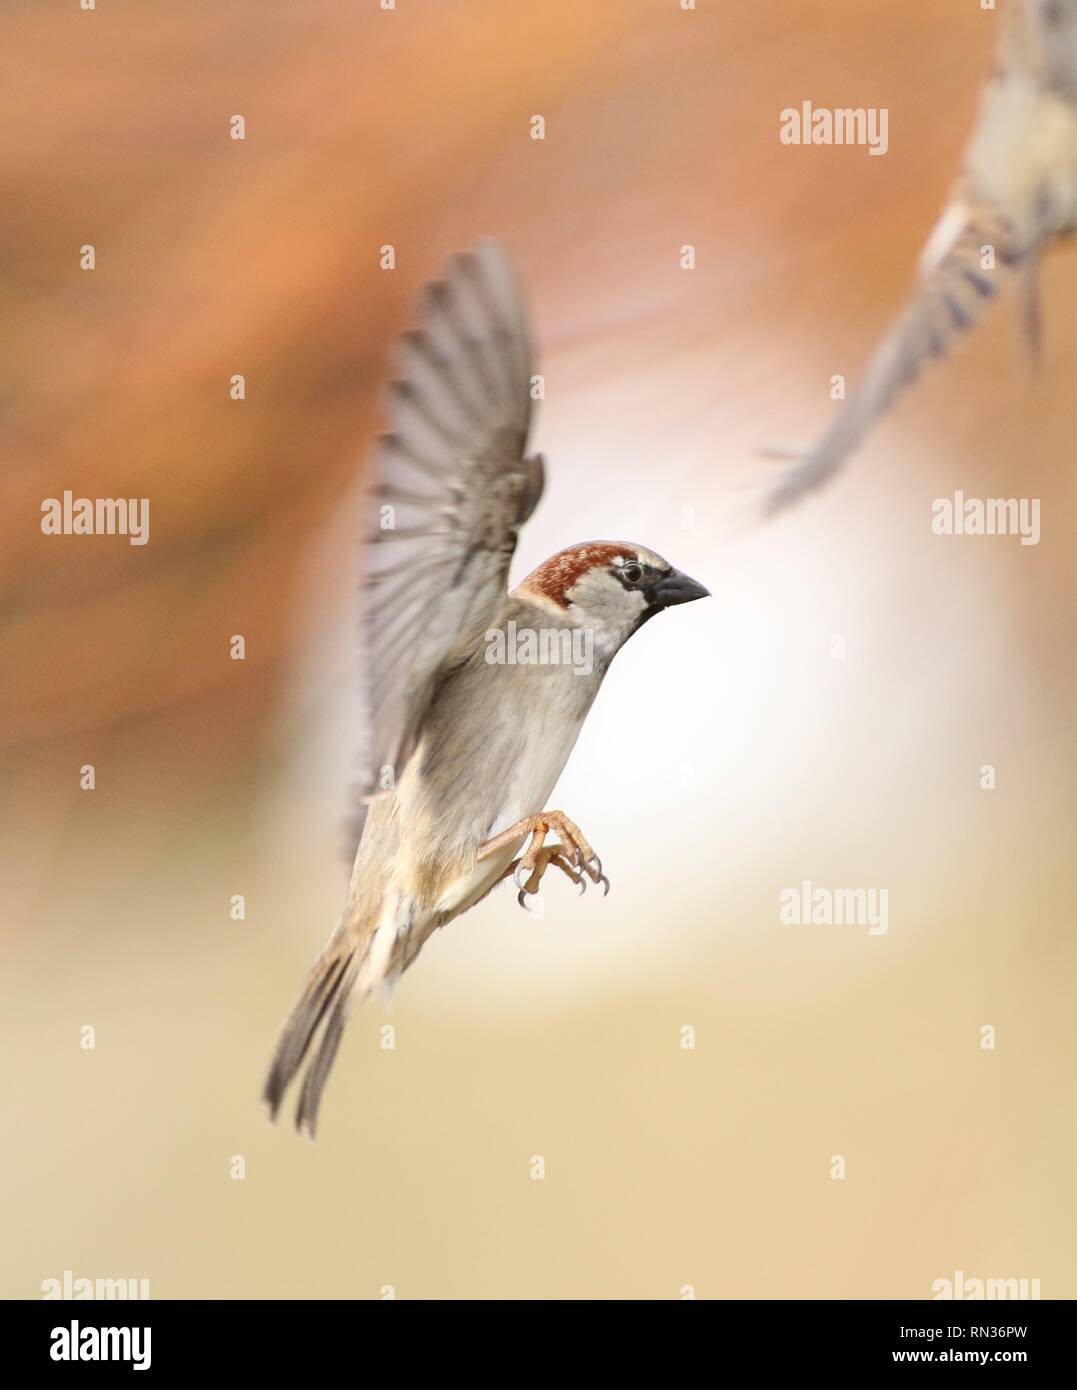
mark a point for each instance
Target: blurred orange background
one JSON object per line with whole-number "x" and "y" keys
{"x": 772, "y": 761}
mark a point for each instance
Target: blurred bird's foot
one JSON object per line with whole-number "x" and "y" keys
{"x": 1031, "y": 318}
{"x": 571, "y": 853}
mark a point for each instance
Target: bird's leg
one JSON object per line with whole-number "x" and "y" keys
{"x": 538, "y": 856}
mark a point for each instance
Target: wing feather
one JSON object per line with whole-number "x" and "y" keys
{"x": 950, "y": 297}
{"x": 449, "y": 485}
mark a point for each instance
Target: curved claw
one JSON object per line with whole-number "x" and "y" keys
{"x": 593, "y": 868}
{"x": 583, "y": 886}
{"x": 526, "y": 871}
{"x": 521, "y": 898}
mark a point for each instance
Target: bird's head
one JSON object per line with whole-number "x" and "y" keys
{"x": 610, "y": 587}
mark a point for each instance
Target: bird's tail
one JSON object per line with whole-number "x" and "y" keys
{"x": 323, "y": 1008}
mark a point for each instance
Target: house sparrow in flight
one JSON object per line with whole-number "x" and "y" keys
{"x": 466, "y": 736}
{"x": 1016, "y": 193}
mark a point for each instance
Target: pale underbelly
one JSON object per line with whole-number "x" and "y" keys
{"x": 471, "y": 886}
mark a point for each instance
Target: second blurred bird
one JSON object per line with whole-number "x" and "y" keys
{"x": 1016, "y": 194}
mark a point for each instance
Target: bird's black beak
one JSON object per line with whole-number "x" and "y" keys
{"x": 677, "y": 588}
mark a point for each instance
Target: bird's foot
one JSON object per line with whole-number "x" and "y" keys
{"x": 527, "y": 871}
{"x": 571, "y": 853}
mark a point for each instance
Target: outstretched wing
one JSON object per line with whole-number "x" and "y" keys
{"x": 950, "y": 297}
{"x": 449, "y": 485}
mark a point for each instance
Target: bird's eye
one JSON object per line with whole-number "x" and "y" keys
{"x": 632, "y": 573}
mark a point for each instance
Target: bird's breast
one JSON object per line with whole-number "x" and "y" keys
{"x": 490, "y": 755}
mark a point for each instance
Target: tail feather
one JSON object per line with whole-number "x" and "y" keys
{"x": 361, "y": 956}
{"x": 327, "y": 988}
{"x": 306, "y": 1115}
